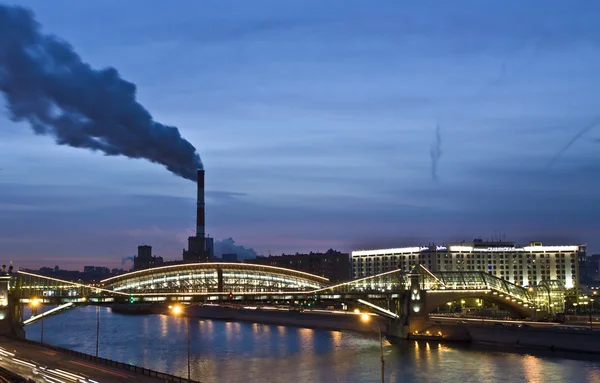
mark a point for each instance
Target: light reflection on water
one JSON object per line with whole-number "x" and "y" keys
{"x": 235, "y": 352}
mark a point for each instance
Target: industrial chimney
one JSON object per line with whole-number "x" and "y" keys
{"x": 197, "y": 245}
{"x": 200, "y": 206}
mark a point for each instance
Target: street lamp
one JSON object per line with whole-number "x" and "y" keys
{"x": 365, "y": 318}
{"x": 34, "y": 304}
{"x": 178, "y": 310}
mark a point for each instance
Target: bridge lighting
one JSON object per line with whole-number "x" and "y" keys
{"x": 364, "y": 317}
{"x": 356, "y": 311}
{"x": 35, "y": 302}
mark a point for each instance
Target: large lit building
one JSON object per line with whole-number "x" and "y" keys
{"x": 521, "y": 265}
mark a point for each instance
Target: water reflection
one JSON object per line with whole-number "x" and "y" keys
{"x": 245, "y": 352}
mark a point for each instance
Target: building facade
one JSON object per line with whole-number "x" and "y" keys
{"x": 521, "y": 265}
{"x": 145, "y": 259}
{"x": 332, "y": 264}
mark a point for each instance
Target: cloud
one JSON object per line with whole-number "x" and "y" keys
{"x": 222, "y": 195}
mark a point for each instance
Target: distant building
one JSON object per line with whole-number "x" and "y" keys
{"x": 145, "y": 259}
{"x": 100, "y": 270}
{"x": 590, "y": 269}
{"x": 229, "y": 258}
{"x": 521, "y": 265}
{"x": 210, "y": 248}
{"x": 90, "y": 274}
{"x": 332, "y": 264}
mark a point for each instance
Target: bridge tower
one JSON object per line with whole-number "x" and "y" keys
{"x": 416, "y": 313}
{"x": 10, "y": 311}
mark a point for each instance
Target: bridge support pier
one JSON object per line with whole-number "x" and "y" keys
{"x": 10, "y": 324}
{"x": 416, "y": 314}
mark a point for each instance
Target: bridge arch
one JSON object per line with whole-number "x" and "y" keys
{"x": 213, "y": 278}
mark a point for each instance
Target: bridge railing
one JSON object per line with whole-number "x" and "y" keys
{"x": 391, "y": 281}
{"x": 28, "y": 285}
{"x": 482, "y": 280}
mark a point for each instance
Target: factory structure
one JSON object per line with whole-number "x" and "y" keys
{"x": 200, "y": 247}
{"x": 521, "y": 265}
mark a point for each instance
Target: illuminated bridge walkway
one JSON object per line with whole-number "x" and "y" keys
{"x": 389, "y": 294}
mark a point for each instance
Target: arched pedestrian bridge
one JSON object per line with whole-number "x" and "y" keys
{"x": 391, "y": 294}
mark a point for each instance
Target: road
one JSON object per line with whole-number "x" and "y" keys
{"x": 44, "y": 365}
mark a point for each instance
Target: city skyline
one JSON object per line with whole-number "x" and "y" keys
{"x": 321, "y": 126}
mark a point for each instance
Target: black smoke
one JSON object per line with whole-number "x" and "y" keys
{"x": 46, "y": 83}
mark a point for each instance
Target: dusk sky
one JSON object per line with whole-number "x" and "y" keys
{"x": 321, "y": 124}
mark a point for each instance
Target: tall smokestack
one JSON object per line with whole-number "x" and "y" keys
{"x": 200, "y": 206}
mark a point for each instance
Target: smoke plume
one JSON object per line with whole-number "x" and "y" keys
{"x": 228, "y": 246}
{"x": 46, "y": 83}
{"x": 435, "y": 153}
{"x": 124, "y": 260}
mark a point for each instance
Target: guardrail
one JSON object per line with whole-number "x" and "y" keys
{"x": 114, "y": 363}
{"x": 7, "y": 376}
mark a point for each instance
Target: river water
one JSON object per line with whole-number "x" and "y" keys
{"x": 235, "y": 352}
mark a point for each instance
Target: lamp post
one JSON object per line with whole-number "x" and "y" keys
{"x": 178, "y": 310}
{"x": 365, "y": 318}
{"x": 34, "y": 304}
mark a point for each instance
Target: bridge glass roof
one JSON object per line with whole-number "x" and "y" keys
{"x": 481, "y": 280}
{"x": 207, "y": 278}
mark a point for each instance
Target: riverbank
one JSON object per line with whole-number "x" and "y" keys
{"x": 553, "y": 338}
{"x": 316, "y": 319}
{"x": 549, "y": 338}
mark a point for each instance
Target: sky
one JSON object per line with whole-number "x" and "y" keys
{"x": 321, "y": 124}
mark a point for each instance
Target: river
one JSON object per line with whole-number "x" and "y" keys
{"x": 235, "y": 352}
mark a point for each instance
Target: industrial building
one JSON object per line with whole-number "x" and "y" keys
{"x": 200, "y": 247}
{"x": 332, "y": 264}
{"x": 145, "y": 259}
{"x": 521, "y": 265}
